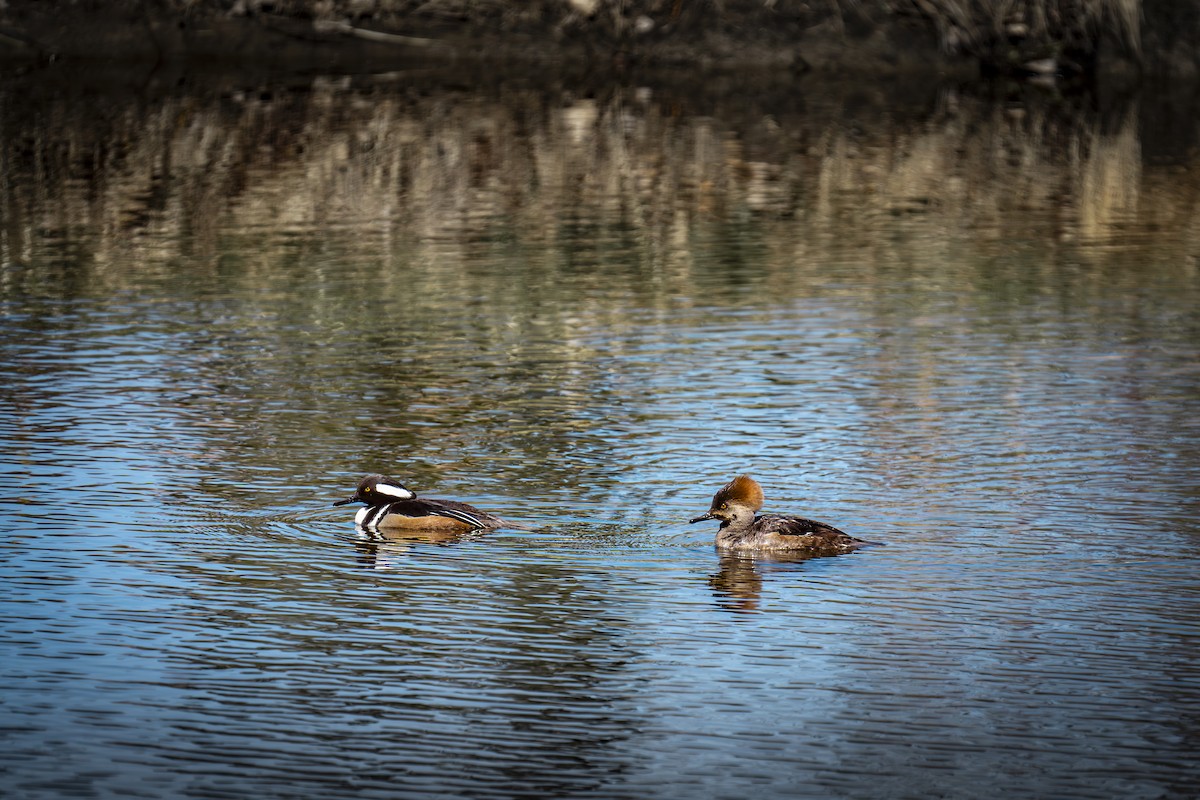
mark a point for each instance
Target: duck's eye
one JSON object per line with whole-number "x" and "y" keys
{"x": 724, "y": 506}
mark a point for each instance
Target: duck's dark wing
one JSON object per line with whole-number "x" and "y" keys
{"x": 452, "y": 508}
{"x": 459, "y": 511}
{"x": 798, "y": 526}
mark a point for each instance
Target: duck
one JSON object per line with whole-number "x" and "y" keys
{"x": 737, "y": 505}
{"x": 391, "y": 504}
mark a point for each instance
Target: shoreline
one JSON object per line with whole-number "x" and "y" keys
{"x": 126, "y": 32}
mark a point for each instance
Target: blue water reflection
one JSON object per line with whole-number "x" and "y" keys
{"x": 541, "y": 329}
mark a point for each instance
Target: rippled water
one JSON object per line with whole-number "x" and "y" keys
{"x": 221, "y": 308}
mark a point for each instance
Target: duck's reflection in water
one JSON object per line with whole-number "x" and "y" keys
{"x": 387, "y": 549}
{"x": 737, "y": 584}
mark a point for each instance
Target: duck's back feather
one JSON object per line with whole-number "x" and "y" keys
{"x": 797, "y": 534}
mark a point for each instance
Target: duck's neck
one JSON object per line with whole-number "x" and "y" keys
{"x": 738, "y": 525}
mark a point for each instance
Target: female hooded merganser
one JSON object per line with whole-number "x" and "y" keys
{"x": 390, "y": 504}
{"x": 737, "y": 505}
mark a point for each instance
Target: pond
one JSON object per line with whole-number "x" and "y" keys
{"x": 960, "y": 325}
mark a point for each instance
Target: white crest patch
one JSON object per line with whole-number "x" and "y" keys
{"x": 394, "y": 491}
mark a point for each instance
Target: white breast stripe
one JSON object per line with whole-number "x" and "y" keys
{"x": 370, "y": 516}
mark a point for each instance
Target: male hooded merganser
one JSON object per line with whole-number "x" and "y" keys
{"x": 737, "y": 505}
{"x": 390, "y": 504}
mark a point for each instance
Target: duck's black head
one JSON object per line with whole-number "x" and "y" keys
{"x": 378, "y": 490}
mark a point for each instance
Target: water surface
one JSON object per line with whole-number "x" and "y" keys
{"x": 967, "y": 331}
